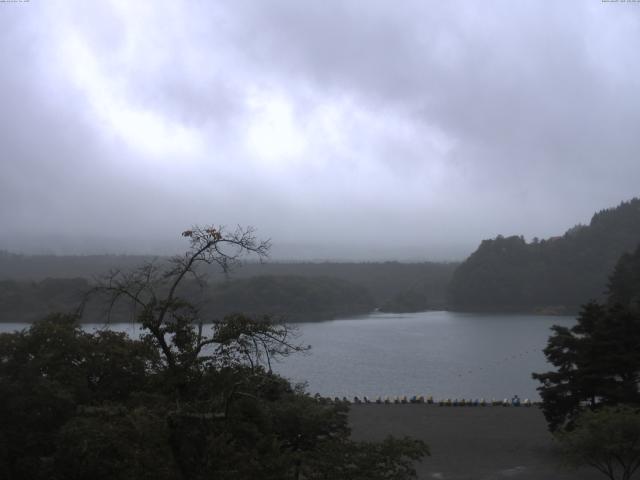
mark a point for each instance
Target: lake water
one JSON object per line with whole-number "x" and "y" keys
{"x": 444, "y": 354}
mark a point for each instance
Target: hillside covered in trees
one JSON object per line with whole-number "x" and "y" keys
{"x": 555, "y": 275}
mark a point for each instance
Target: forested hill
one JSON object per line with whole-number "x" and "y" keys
{"x": 555, "y": 275}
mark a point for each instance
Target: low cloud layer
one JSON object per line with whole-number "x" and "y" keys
{"x": 339, "y": 129}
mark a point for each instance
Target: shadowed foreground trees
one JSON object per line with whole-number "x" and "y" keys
{"x": 607, "y": 440}
{"x": 592, "y": 401}
{"x": 183, "y": 401}
{"x": 598, "y": 360}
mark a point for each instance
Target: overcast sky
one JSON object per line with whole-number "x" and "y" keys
{"x": 364, "y": 129}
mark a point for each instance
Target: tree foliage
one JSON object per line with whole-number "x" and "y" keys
{"x": 597, "y": 360}
{"x": 624, "y": 283}
{"x": 607, "y": 440}
{"x": 184, "y": 401}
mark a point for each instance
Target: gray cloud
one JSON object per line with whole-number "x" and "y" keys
{"x": 332, "y": 127}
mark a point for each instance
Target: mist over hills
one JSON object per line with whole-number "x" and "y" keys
{"x": 158, "y": 244}
{"x": 553, "y": 276}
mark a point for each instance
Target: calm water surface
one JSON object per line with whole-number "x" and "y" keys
{"x": 444, "y": 354}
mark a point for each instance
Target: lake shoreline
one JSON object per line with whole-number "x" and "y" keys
{"x": 550, "y": 311}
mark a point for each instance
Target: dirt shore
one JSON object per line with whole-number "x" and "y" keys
{"x": 471, "y": 443}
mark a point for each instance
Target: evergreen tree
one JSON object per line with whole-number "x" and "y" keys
{"x": 624, "y": 283}
{"x": 598, "y": 360}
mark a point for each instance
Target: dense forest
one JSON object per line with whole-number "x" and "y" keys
{"x": 292, "y": 298}
{"x": 27, "y": 301}
{"x": 31, "y": 286}
{"x": 289, "y": 298}
{"x": 555, "y": 275}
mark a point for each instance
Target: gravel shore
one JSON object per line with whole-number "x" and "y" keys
{"x": 471, "y": 443}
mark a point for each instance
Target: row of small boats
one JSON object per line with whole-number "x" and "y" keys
{"x": 446, "y": 402}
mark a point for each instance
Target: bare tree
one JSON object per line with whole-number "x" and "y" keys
{"x": 242, "y": 339}
{"x": 175, "y": 323}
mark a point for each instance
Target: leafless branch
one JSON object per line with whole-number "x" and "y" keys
{"x": 152, "y": 290}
